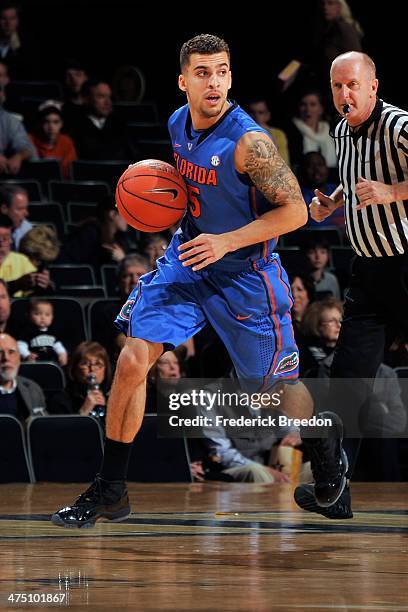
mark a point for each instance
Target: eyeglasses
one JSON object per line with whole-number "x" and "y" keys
{"x": 97, "y": 365}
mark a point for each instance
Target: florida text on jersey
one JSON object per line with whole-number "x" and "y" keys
{"x": 220, "y": 199}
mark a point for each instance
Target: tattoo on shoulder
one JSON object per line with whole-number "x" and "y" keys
{"x": 268, "y": 171}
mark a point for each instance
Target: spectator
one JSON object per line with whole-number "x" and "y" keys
{"x": 38, "y": 339}
{"x": 14, "y": 204}
{"x": 19, "y": 396}
{"x": 75, "y": 76}
{"x": 245, "y": 459}
{"x": 130, "y": 269}
{"x": 303, "y": 294}
{"x": 5, "y": 306}
{"x": 309, "y": 131}
{"x": 4, "y": 81}
{"x": 317, "y": 254}
{"x": 98, "y": 241}
{"x": 40, "y": 245}
{"x": 314, "y": 174}
{"x": 15, "y": 145}
{"x": 12, "y": 51}
{"x": 9, "y": 103}
{"x": 320, "y": 327}
{"x": 337, "y": 32}
{"x": 259, "y": 110}
{"x": 16, "y": 269}
{"x": 154, "y": 247}
{"x": 97, "y": 132}
{"x": 88, "y": 368}
{"x": 47, "y": 137}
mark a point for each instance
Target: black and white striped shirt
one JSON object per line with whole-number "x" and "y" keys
{"x": 378, "y": 150}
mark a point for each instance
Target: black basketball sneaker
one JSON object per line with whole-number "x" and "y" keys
{"x": 328, "y": 460}
{"x": 341, "y": 509}
{"x": 104, "y": 500}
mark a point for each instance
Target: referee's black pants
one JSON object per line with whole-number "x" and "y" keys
{"x": 375, "y": 312}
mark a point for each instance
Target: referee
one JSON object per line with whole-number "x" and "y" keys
{"x": 372, "y": 148}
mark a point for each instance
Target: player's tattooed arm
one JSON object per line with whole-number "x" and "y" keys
{"x": 258, "y": 157}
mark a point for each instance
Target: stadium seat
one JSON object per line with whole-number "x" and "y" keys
{"x": 110, "y": 279}
{"x": 82, "y": 291}
{"x": 107, "y": 171}
{"x": 156, "y": 459}
{"x": 332, "y": 235}
{"x": 78, "y": 191}
{"x": 43, "y": 171}
{"x": 47, "y": 374}
{"x": 130, "y": 112}
{"x": 14, "y": 463}
{"x": 47, "y": 212}
{"x": 48, "y": 90}
{"x": 157, "y": 149}
{"x": 147, "y": 131}
{"x": 291, "y": 258}
{"x": 72, "y": 274}
{"x": 68, "y": 311}
{"x": 64, "y": 448}
{"x": 97, "y": 319}
{"x": 33, "y": 188}
{"x": 80, "y": 211}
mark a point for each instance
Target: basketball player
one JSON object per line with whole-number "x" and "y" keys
{"x": 219, "y": 268}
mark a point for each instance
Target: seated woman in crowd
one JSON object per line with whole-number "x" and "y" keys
{"x": 47, "y": 137}
{"x": 309, "y": 131}
{"x": 89, "y": 381}
{"x": 320, "y": 328}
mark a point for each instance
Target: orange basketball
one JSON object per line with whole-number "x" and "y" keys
{"x": 151, "y": 195}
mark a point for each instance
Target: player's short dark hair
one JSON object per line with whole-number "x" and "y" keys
{"x": 206, "y": 44}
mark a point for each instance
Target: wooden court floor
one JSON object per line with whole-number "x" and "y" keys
{"x": 211, "y": 546}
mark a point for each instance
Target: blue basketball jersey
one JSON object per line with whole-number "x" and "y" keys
{"x": 220, "y": 198}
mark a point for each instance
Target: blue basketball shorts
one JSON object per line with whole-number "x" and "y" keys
{"x": 249, "y": 310}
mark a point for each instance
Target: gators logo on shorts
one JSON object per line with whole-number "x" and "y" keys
{"x": 126, "y": 310}
{"x": 287, "y": 364}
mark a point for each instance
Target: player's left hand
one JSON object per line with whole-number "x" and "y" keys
{"x": 373, "y": 192}
{"x": 203, "y": 250}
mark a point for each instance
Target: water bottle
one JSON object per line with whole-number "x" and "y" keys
{"x": 93, "y": 385}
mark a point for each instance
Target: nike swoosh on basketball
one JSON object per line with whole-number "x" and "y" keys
{"x": 243, "y": 317}
{"x": 173, "y": 192}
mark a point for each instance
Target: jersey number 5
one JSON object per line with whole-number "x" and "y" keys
{"x": 193, "y": 200}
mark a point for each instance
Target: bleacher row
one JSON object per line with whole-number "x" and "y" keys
{"x": 68, "y": 448}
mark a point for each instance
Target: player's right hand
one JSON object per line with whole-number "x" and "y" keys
{"x": 321, "y": 206}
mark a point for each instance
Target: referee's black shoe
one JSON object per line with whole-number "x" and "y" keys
{"x": 104, "y": 499}
{"x": 328, "y": 461}
{"x": 341, "y": 509}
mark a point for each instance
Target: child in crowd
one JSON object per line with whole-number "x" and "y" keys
{"x": 317, "y": 253}
{"x": 38, "y": 340}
